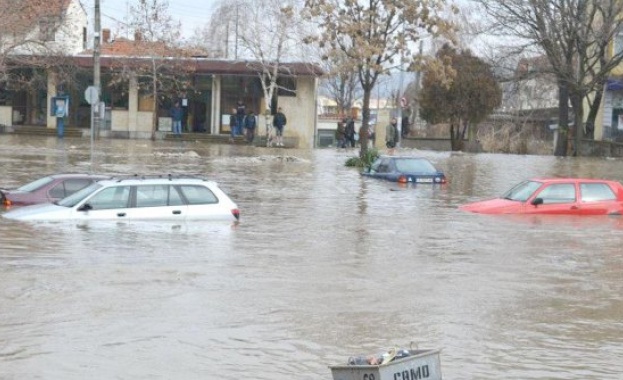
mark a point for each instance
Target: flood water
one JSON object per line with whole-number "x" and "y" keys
{"x": 323, "y": 265}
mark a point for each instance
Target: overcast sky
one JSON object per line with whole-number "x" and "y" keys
{"x": 191, "y": 13}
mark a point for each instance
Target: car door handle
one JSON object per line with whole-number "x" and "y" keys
{"x": 176, "y": 212}
{"x": 121, "y": 214}
{"x": 574, "y": 207}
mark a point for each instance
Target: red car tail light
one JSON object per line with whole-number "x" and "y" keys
{"x": 402, "y": 179}
{"x": 236, "y": 213}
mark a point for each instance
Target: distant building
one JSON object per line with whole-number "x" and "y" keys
{"x": 531, "y": 89}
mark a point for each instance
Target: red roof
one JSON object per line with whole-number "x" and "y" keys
{"x": 205, "y": 65}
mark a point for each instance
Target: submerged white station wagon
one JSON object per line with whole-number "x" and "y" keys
{"x": 138, "y": 198}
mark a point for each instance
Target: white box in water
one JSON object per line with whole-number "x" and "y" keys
{"x": 420, "y": 365}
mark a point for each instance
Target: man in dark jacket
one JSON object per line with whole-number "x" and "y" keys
{"x": 279, "y": 122}
{"x": 350, "y": 132}
{"x": 250, "y": 122}
{"x": 176, "y": 116}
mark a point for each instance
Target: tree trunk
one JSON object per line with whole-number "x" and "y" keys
{"x": 455, "y": 137}
{"x": 578, "y": 113}
{"x": 592, "y": 113}
{"x": 365, "y": 121}
{"x": 563, "y": 119}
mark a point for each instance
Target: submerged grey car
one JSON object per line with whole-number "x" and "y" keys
{"x": 405, "y": 169}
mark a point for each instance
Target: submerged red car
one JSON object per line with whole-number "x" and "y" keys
{"x": 556, "y": 196}
{"x": 47, "y": 189}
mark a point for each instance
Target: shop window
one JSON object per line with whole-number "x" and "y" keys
{"x": 235, "y": 88}
{"x": 286, "y": 86}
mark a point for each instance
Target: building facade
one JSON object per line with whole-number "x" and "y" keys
{"x": 208, "y": 89}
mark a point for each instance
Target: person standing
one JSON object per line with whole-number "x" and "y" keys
{"x": 241, "y": 112}
{"x": 391, "y": 136}
{"x": 350, "y": 132}
{"x": 233, "y": 122}
{"x": 250, "y": 122}
{"x": 279, "y": 122}
{"x": 176, "y": 115}
{"x": 340, "y": 134}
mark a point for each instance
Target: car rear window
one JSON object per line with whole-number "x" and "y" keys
{"x": 415, "y": 166}
{"x": 595, "y": 192}
{"x": 35, "y": 185}
{"x": 198, "y": 195}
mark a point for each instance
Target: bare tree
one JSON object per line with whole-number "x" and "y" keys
{"x": 340, "y": 82}
{"x": 374, "y": 37}
{"x": 575, "y": 35}
{"x": 35, "y": 34}
{"x": 271, "y": 36}
{"x": 218, "y": 37}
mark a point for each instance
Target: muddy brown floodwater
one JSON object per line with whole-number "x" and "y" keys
{"x": 325, "y": 264}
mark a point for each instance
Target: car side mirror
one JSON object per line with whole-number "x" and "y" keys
{"x": 85, "y": 207}
{"x": 537, "y": 201}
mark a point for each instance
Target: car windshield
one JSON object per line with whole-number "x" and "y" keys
{"x": 32, "y": 186}
{"x": 414, "y": 165}
{"x": 522, "y": 191}
{"x": 77, "y": 197}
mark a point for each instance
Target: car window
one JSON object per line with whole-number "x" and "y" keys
{"x": 68, "y": 187}
{"x": 198, "y": 195}
{"x": 375, "y": 166}
{"x": 522, "y": 191}
{"x": 594, "y": 192}
{"x": 157, "y": 195}
{"x": 414, "y": 165}
{"x": 32, "y": 186}
{"x": 111, "y": 197}
{"x": 384, "y": 166}
{"x": 152, "y": 195}
{"x": 558, "y": 193}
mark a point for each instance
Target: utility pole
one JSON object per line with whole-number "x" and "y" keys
{"x": 400, "y": 95}
{"x": 416, "y": 117}
{"x": 95, "y": 106}
{"x": 96, "y": 47}
{"x": 236, "y": 42}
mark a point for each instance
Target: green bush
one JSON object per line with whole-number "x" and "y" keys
{"x": 362, "y": 162}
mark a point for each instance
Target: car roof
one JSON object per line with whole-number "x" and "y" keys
{"x": 155, "y": 180}
{"x": 402, "y": 157}
{"x": 570, "y": 179}
{"x": 78, "y": 175}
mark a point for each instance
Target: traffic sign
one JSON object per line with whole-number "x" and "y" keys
{"x": 91, "y": 95}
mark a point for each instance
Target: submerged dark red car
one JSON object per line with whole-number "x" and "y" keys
{"x": 48, "y": 189}
{"x": 556, "y": 196}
